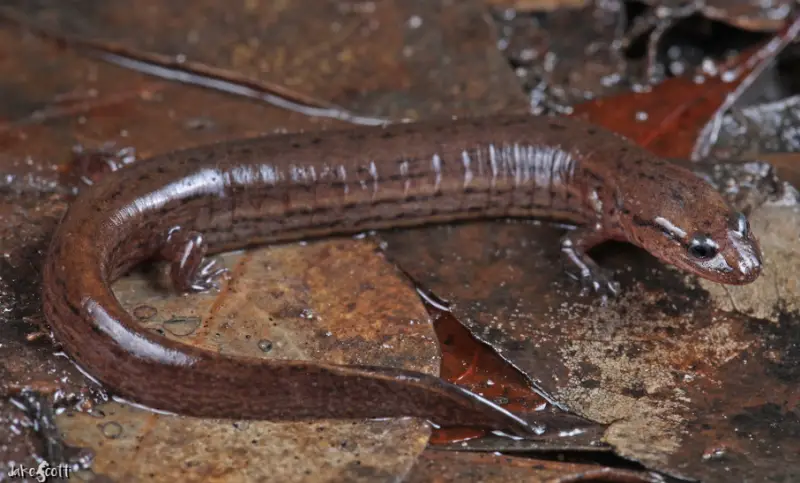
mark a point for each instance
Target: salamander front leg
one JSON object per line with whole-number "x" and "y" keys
{"x": 574, "y": 246}
{"x": 190, "y": 271}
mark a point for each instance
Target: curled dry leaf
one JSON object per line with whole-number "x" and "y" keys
{"x": 442, "y": 467}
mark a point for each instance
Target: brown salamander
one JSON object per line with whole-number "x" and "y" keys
{"x": 186, "y": 204}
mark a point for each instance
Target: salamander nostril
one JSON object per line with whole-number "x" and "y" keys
{"x": 739, "y": 224}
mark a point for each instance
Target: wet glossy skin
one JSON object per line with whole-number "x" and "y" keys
{"x": 284, "y": 188}
{"x": 682, "y": 223}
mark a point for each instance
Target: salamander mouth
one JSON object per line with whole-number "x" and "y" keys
{"x": 748, "y": 261}
{"x": 738, "y": 264}
{"x": 734, "y": 265}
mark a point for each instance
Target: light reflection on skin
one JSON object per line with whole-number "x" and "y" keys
{"x": 717, "y": 264}
{"x": 748, "y": 260}
{"x": 670, "y": 227}
{"x": 134, "y": 342}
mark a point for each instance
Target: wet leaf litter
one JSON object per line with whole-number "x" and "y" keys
{"x": 586, "y": 349}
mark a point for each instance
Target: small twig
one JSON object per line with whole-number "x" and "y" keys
{"x": 180, "y": 69}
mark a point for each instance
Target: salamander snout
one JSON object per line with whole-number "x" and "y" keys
{"x": 732, "y": 257}
{"x": 744, "y": 256}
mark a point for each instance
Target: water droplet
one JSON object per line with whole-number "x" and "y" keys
{"x": 729, "y": 76}
{"x": 715, "y": 453}
{"x": 709, "y": 67}
{"x": 182, "y": 326}
{"x": 112, "y": 430}
{"x": 199, "y": 124}
{"x": 144, "y": 312}
{"x": 265, "y": 345}
{"x": 241, "y": 425}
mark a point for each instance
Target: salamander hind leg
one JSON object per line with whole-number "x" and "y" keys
{"x": 190, "y": 271}
{"x": 580, "y": 266}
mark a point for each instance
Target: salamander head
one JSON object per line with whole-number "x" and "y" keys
{"x": 706, "y": 238}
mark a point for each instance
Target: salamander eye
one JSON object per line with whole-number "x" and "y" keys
{"x": 702, "y": 247}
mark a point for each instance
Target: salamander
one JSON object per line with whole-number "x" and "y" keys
{"x": 185, "y": 205}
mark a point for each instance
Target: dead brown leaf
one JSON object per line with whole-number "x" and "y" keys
{"x": 536, "y": 5}
{"x": 668, "y": 366}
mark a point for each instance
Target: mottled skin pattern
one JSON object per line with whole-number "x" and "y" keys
{"x": 291, "y": 187}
